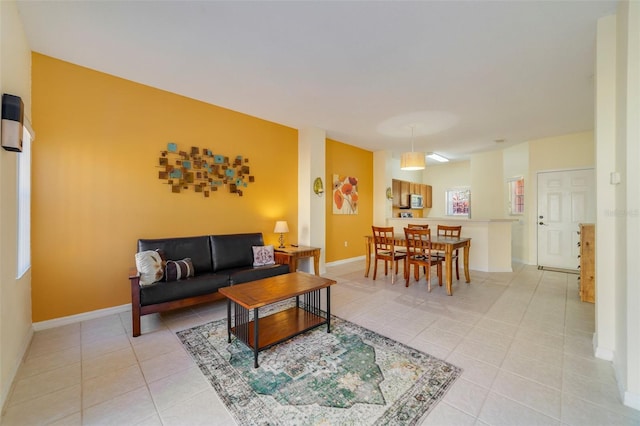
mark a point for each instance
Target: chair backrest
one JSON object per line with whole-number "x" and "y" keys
{"x": 418, "y": 226}
{"x": 418, "y": 242}
{"x": 449, "y": 231}
{"x": 383, "y": 238}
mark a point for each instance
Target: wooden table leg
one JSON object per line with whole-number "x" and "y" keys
{"x": 466, "y": 262}
{"x": 316, "y": 262}
{"x": 448, "y": 252}
{"x": 367, "y": 258}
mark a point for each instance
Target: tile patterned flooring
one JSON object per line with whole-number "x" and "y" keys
{"x": 522, "y": 338}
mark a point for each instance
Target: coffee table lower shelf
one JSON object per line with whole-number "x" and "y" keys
{"x": 278, "y": 327}
{"x": 261, "y": 333}
{"x": 275, "y": 328}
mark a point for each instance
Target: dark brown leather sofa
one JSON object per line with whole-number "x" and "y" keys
{"x": 218, "y": 261}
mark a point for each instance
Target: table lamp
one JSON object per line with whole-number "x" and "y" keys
{"x": 281, "y": 228}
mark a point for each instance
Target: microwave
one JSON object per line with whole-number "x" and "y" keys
{"x": 416, "y": 201}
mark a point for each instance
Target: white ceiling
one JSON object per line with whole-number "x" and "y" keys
{"x": 465, "y": 73}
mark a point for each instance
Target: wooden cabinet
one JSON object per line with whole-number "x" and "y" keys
{"x": 426, "y": 195}
{"x": 401, "y": 190}
{"x": 405, "y": 190}
{"x": 587, "y": 262}
{"x": 395, "y": 191}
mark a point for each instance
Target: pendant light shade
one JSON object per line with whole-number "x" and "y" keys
{"x": 412, "y": 160}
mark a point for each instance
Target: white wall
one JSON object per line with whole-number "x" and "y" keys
{"x": 570, "y": 151}
{"x": 311, "y": 208}
{"x": 609, "y": 263}
{"x": 515, "y": 165}
{"x": 443, "y": 177}
{"x": 15, "y": 295}
{"x": 487, "y": 185}
{"x": 632, "y": 141}
{"x": 618, "y": 132}
{"x": 383, "y": 164}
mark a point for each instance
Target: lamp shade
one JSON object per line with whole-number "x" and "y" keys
{"x": 281, "y": 227}
{"x": 412, "y": 161}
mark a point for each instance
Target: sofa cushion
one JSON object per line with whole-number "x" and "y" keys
{"x": 179, "y": 269}
{"x": 196, "y": 248}
{"x": 233, "y": 250}
{"x": 243, "y": 275}
{"x": 150, "y": 266}
{"x": 168, "y": 291}
{"x": 263, "y": 255}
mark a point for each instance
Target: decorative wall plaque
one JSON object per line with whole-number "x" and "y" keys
{"x": 203, "y": 171}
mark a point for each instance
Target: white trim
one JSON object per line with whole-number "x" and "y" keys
{"x": 572, "y": 169}
{"x": 632, "y": 400}
{"x": 344, "y": 261}
{"x": 27, "y": 123}
{"x": 600, "y": 352}
{"x": 72, "y": 319}
{"x": 12, "y": 377}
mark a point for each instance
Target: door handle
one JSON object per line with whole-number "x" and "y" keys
{"x": 542, "y": 223}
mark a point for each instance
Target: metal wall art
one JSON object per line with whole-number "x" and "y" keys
{"x": 202, "y": 170}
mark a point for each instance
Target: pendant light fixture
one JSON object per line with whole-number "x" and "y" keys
{"x": 412, "y": 160}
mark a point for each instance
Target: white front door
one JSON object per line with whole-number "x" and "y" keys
{"x": 565, "y": 199}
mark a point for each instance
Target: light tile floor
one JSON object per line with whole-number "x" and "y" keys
{"x": 524, "y": 340}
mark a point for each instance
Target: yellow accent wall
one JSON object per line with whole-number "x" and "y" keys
{"x": 96, "y": 189}
{"x": 347, "y": 160}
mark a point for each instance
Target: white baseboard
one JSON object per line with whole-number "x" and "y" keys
{"x": 600, "y": 352}
{"x": 632, "y": 400}
{"x": 6, "y": 390}
{"x": 71, "y": 319}
{"x": 605, "y": 354}
{"x": 345, "y": 261}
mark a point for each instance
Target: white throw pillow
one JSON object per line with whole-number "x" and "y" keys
{"x": 150, "y": 266}
{"x": 263, "y": 255}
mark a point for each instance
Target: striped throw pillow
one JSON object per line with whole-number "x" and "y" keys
{"x": 179, "y": 269}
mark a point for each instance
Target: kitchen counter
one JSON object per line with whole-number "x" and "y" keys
{"x": 491, "y": 239}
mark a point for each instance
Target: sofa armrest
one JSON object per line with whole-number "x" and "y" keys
{"x": 134, "y": 279}
{"x": 133, "y": 273}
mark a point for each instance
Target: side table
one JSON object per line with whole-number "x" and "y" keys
{"x": 301, "y": 252}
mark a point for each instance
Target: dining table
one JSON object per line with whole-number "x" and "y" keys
{"x": 438, "y": 242}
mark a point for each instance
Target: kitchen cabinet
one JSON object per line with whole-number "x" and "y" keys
{"x": 402, "y": 189}
{"x": 425, "y": 190}
{"x": 405, "y": 190}
{"x": 395, "y": 191}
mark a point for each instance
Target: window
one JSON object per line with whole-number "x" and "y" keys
{"x": 516, "y": 196}
{"x": 24, "y": 204}
{"x": 458, "y": 202}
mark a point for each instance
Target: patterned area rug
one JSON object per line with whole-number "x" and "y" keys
{"x": 349, "y": 376}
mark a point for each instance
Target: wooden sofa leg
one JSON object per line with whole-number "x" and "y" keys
{"x": 135, "y": 320}
{"x": 134, "y": 279}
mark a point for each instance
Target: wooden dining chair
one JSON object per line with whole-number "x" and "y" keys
{"x": 385, "y": 250}
{"x": 403, "y": 249}
{"x": 419, "y": 254}
{"x": 452, "y": 232}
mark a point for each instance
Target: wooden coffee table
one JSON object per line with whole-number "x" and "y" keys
{"x": 280, "y": 326}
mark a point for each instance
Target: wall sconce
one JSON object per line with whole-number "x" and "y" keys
{"x": 318, "y": 188}
{"x": 281, "y": 228}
